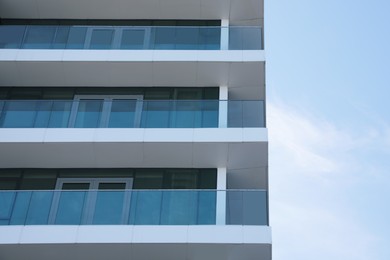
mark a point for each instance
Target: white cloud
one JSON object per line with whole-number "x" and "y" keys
{"x": 318, "y": 175}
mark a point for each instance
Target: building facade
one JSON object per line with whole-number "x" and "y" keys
{"x": 133, "y": 130}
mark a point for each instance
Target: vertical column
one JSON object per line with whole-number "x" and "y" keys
{"x": 224, "y": 34}
{"x": 221, "y": 196}
{"x": 223, "y": 107}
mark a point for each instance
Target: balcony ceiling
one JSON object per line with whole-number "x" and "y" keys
{"x": 242, "y": 71}
{"x": 237, "y": 11}
{"x": 106, "y": 148}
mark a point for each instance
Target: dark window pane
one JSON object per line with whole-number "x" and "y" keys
{"x": 75, "y": 186}
{"x": 112, "y": 186}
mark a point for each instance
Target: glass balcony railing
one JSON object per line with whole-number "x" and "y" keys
{"x": 130, "y": 37}
{"x": 98, "y": 112}
{"x": 134, "y": 207}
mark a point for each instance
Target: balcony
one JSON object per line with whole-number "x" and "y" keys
{"x": 130, "y": 112}
{"x": 131, "y": 37}
{"x": 134, "y": 207}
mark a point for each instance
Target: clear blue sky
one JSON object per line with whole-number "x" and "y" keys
{"x": 328, "y": 90}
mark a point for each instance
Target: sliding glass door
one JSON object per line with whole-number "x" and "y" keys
{"x": 91, "y": 201}
{"x": 96, "y": 111}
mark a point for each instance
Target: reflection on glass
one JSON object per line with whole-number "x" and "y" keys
{"x": 133, "y": 39}
{"x": 60, "y": 113}
{"x": 101, "y": 38}
{"x": 109, "y": 208}
{"x": 129, "y": 113}
{"x": 76, "y": 39}
{"x": 145, "y": 208}
{"x": 6, "y": 202}
{"x": 19, "y": 114}
{"x": 11, "y": 36}
{"x": 179, "y": 208}
{"x": 207, "y": 203}
{"x": 163, "y": 38}
{"x": 156, "y": 114}
{"x": 70, "y": 207}
{"x": 122, "y": 113}
{"x": 186, "y": 114}
{"x": 39, "y": 37}
{"x": 134, "y": 207}
{"x": 89, "y": 113}
{"x": 39, "y": 208}
{"x": 240, "y": 209}
{"x": 20, "y": 208}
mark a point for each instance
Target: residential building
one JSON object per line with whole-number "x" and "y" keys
{"x": 133, "y": 130}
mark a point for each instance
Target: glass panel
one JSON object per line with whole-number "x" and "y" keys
{"x": 133, "y": 39}
{"x": 145, "y": 207}
{"x": 21, "y": 207}
{"x": 240, "y": 209}
{"x": 164, "y": 38}
{"x": 40, "y": 204}
{"x": 70, "y": 206}
{"x": 234, "y": 207}
{"x": 60, "y": 114}
{"x": 101, "y": 38}
{"x": 235, "y": 112}
{"x": 210, "y": 113}
{"x": 39, "y": 37}
{"x": 6, "y": 203}
{"x": 76, "y": 38}
{"x": 61, "y": 37}
{"x": 43, "y": 113}
{"x": 187, "y": 114}
{"x": 122, "y": 113}
{"x": 187, "y": 38}
{"x": 207, "y": 207}
{"x": 89, "y": 113}
{"x": 11, "y": 36}
{"x": 245, "y": 38}
{"x": 110, "y": 205}
{"x": 254, "y": 215}
{"x": 209, "y": 38}
{"x": 179, "y": 208}
{"x": 252, "y": 114}
{"x": 156, "y": 114}
{"x": 19, "y": 114}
